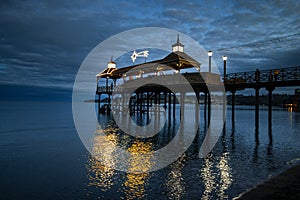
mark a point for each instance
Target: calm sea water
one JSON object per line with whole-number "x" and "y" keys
{"x": 42, "y": 157}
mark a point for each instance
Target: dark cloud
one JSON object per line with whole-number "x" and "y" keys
{"x": 44, "y": 42}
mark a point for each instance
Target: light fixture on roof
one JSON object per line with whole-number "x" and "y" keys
{"x": 197, "y": 68}
{"x": 111, "y": 64}
{"x": 177, "y": 47}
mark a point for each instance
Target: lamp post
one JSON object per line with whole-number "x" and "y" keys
{"x": 224, "y": 59}
{"x": 209, "y": 53}
{"x": 106, "y": 83}
{"x": 224, "y": 94}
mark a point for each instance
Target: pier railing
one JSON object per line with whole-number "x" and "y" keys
{"x": 280, "y": 77}
{"x": 104, "y": 89}
{"x": 281, "y": 74}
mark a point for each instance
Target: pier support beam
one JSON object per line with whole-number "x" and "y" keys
{"x": 141, "y": 103}
{"x": 169, "y": 107}
{"x": 270, "y": 106}
{"x": 165, "y": 100}
{"x": 136, "y": 109}
{"x": 182, "y": 104}
{"x": 205, "y": 105}
{"x": 121, "y": 104}
{"x": 158, "y": 102}
{"x": 148, "y": 107}
{"x": 209, "y": 108}
{"x": 233, "y": 105}
{"x": 109, "y": 104}
{"x": 270, "y": 89}
{"x": 197, "y": 108}
{"x": 257, "y": 80}
{"x": 256, "y": 108}
{"x": 99, "y": 103}
{"x": 224, "y": 107}
{"x": 174, "y": 105}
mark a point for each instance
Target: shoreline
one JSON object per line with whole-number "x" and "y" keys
{"x": 285, "y": 185}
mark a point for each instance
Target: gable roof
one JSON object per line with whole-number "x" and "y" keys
{"x": 176, "y": 60}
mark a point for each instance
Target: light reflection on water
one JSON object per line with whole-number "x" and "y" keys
{"x": 99, "y": 175}
{"x": 208, "y": 177}
{"x": 175, "y": 180}
{"x": 241, "y": 159}
{"x": 102, "y": 176}
{"x": 135, "y": 182}
{"x": 225, "y": 175}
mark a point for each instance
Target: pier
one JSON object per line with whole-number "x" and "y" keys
{"x": 202, "y": 84}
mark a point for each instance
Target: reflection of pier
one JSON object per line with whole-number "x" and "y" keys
{"x": 177, "y": 63}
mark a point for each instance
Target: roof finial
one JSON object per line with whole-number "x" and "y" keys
{"x": 177, "y": 46}
{"x": 111, "y": 58}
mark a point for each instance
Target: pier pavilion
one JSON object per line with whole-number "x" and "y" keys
{"x": 145, "y": 96}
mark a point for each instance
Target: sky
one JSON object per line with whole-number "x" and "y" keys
{"x": 43, "y": 43}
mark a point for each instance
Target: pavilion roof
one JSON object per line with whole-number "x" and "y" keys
{"x": 176, "y": 60}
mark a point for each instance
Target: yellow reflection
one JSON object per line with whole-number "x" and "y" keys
{"x": 175, "y": 181}
{"x": 208, "y": 177}
{"x": 101, "y": 175}
{"x": 291, "y": 118}
{"x": 225, "y": 175}
{"x": 140, "y": 162}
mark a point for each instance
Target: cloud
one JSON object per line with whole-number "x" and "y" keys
{"x": 44, "y": 42}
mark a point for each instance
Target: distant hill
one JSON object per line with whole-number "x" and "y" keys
{"x": 33, "y": 93}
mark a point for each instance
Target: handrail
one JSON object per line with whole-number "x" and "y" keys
{"x": 281, "y": 74}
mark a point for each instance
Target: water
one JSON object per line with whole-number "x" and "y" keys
{"x": 41, "y": 157}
